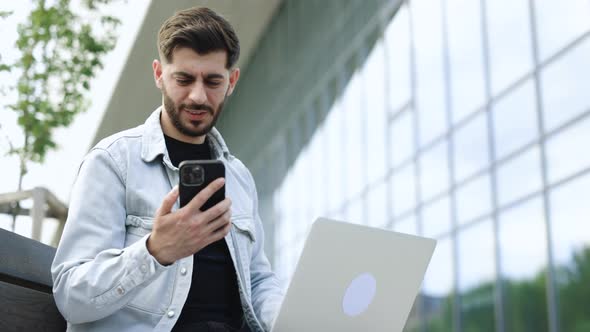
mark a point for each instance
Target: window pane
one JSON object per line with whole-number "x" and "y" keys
{"x": 471, "y": 148}
{"x": 509, "y": 36}
{"x": 355, "y": 151}
{"x": 565, "y": 155}
{"x": 476, "y": 277}
{"x": 354, "y": 212}
{"x": 434, "y": 171}
{"x": 523, "y": 267}
{"x": 565, "y": 86}
{"x": 397, "y": 38}
{"x": 374, "y": 80}
{"x": 406, "y": 225}
{"x": 316, "y": 170}
{"x": 402, "y": 138}
{"x": 437, "y": 289}
{"x": 301, "y": 182}
{"x": 334, "y": 157}
{"x": 559, "y": 22}
{"x": 430, "y": 91}
{"x": 436, "y": 217}
{"x": 571, "y": 250}
{"x": 519, "y": 177}
{"x": 404, "y": 190}
{"x": 465, "y": 48}
{"x": 377, "y": 205}
{"x": 515, "y": 120}
{"x": 474, "y": 199}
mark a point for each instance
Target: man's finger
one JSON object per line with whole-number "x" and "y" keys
{"x": 219, "y": 222}
{"x": 201, "y": 198}
{"x": 216, "y": 211}
{"x": 168, "y": 202}
{"x": 221, "y": 232}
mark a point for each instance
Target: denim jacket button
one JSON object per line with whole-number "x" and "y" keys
{"x": 170, "y": 313}
{"x": 120, "y": 290}
{"x": 143, "y": 268}
{"x": 183, "y": 271}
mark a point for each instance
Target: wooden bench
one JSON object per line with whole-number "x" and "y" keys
{"x": 26, "y": 300}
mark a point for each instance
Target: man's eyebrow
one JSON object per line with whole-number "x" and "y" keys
{"x": 187, "y": 75}
{"x": 182, "y": 73}
{"x": 214, "y": 76}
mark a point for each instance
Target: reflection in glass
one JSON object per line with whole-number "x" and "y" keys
{"x": 377, "y": 205}
{"x": 299, "y": 192}
{"x": 519, "y": 177}
{"x": 570, "y": 213}
{"x": 474, "y": 199}
{"x": 523, "y": 266}
{"x": 374, "y": 84}
{"x": 353, "y": 155}
{"x": 397, "y": 39}
{"x": 559, "y": 22}
{"x": 434, "y": 174}
{"x": 466, "y": 57}
{"x": 430, "y": 91}
{"x": 471, "y": 148}
{"x": 406, "y": 225}
{"x": 436, "y": 217}
{"x": 564, "y": 156}
{"x": 354, "y": 211}
{"x": 515, "y": 120}
{"x": 509, "y": 37}
{"x": 437, "y": 289}
{"x": 569, "y": 218}
{"x": 403, "y": 184}
{"x": 564, "y": 86}
{"x": 334, "y": 157}
{"x": 476, "y": 277}
{"x": 402, "y": 138}
{"x": 315, "y": 173}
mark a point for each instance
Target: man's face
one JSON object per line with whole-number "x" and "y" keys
{"x": 194, "y": 89}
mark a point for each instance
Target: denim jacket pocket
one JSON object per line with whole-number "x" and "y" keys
{"x": 245, "y": 226}
{"x": 155, "y": 295}
{"x": 137, "y": 227}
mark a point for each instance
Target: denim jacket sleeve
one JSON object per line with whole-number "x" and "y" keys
{"x": 93, "y": 274}
{"x": 267, "y": 294}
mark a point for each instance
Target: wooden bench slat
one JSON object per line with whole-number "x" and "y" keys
{"x": 25, "y": 262}
{"x": 23, "y": 309}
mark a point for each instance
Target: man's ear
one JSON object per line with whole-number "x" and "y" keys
{"x": 157, "y": 67}
{"x": 234, "y": 75}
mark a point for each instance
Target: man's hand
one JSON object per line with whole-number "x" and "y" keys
{"x": 184, "y": 232}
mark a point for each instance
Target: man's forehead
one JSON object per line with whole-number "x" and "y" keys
{"x": 188, "y": 61}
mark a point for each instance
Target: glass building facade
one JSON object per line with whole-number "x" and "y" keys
{"x": 465, "y": 122}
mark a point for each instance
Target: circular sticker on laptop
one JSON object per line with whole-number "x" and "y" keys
{"x": 359, "y": 294}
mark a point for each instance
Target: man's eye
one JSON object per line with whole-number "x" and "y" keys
{"x": 183, "y": 82}
{"x": 214, "y": 84}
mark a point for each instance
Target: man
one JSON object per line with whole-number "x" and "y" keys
{"x": 129, "y": 258}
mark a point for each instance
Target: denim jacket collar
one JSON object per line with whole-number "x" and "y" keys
{"x": 154, "y": 145}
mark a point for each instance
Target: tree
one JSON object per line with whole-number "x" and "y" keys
{"x": 525, "y": 302}
{"x": 60, "y": 51}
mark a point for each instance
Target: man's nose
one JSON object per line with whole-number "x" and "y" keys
{"x": 198, "y": 94}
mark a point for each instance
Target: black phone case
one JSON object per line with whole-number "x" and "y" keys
{"x": 213, "y": 169}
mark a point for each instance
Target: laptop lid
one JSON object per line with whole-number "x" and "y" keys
{"x": 354, "y": 278}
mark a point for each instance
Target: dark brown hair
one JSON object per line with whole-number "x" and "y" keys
{"x": 200, "y": 29}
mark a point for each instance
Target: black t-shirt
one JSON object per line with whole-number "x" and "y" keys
{"x": 213, "y": 296}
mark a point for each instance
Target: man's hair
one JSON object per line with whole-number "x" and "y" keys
{"x": 200, "y": 29}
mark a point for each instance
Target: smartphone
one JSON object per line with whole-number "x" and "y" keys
{"x": 195, "y": 175}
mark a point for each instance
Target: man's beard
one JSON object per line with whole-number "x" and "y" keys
{"x": 195, "y": 130}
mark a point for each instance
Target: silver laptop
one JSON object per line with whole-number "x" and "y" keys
{"x": 354, "y": 278}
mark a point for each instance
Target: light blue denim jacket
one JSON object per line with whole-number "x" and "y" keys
{"x": 104, "y": 277}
